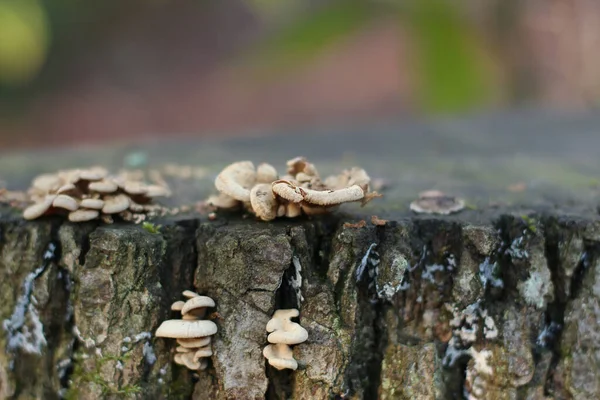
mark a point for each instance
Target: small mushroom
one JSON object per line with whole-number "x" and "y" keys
{"x": 283, "y": 330}
{"x": 66, "y": 202}
{"x": 203, "y": 352}
{"x": 189, "y": 294}
{"x": 93, "y": 174}
{"x": 39, "y": 209}
{"x": 135, "y": 188}
{"x": 182, "y": 329}
{"x": 195, "y": 343}
{"x": 196, "y": 306}
{"x": 266, "y": 173}
{"x": 334, "y": 197}
{"x": 177, "y": 306}
{"x": 263, "y": 201}
{"x": 187, "y": 360}
{"x": 83, "y": 215}
{"x": 116, "y": 204}
{"x": 288, "y": 190}
{"x": 437, "y": 202}
{"x": 94, "y": 204}
{"x": 280, "y": 356}
{"x": 236, "y": 180}
{"x": 103, "y": 186}
{"x": 222, "y": 201}
{"x": 157, "y": 191}
{"x": 46, "y": 183}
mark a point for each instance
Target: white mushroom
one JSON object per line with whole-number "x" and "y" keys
{"x": 196, "y": 306}
{"x": 195, "y": 343}
{"x": 103, "y": 186}
{"x": 83, "y": 215}
{"x": 39, "y": 209}
{"x": 280, "y": 356}
{"x": 266, "y": 173}
{"x": 93, "y": 173}
{"x": 178, "y": 305}
{"x": 187, "y": 360}
{"x": 66, "y": 202}
{"x": 116, "y": 204}
{"x": 46, "y": 183}
{"x": 236, "y": 180}
{"x": 288, "y": 190}
{"x": 283, "y": 330}
{"x": 189, "y": 294}
{"x": 222, "y": 201}
{"x": 334, "y": 197}
{"x": 181, "y": 329}
{"x": 94, "y": 204}
{"x": 263, "y": 201}
{"x": 436, "y": 202}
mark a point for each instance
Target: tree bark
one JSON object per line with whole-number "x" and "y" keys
{"x": 501, "y": 302}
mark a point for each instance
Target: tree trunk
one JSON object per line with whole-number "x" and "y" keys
{"x": 502, "y": 302}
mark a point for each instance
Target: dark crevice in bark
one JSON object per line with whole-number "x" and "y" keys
{"x": 566, "y": 290}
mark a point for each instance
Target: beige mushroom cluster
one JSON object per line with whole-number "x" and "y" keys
{"x": 301, "y": 191}
{"x": 193, "y": 334}
{"x": 283, "y": 333}
{"x": 87, "y": 194}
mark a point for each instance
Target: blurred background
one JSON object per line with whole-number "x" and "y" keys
{"x": 75, "y": 72}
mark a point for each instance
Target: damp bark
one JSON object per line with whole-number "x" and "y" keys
{"x": 494, "y": 306}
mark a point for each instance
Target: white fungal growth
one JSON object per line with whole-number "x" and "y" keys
{"x": 487, "y": 271}
{"x": 142, "y": 336}
{"x": 364, "y": 262}
{"x": 516, "y": 249}
{"x": 148, "y": 353}
{"x": 24, "y": 329}
{"x": 296, "y": 280}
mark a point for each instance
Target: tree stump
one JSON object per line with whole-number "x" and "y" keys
{"x": 500, "y": 301}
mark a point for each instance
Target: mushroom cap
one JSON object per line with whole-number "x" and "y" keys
{"x": 436, "y": 202}
{"x": 186, "y": 329}
{"x": 300, "y": 164}
{"x": 197, "y": 306}
{"x": 181, "y": 349}
{"x": 83, "y": 215}
{"x": 66, "y": 202}
{"x": 288, "y": 191}
{"x": 202, "y": 352}
{"x": 47, "y": 182}
{"x": 157, "y": 191}
{"x": 94, "y": 204}
{"x": 177, "y": 306}
{"x": 189, "y": 294}
{"x": 293, "y": 210}
{"x": 93, "y": 173}
{"x": 134, "y": 188}
{"x": 263, "y": 201}
{"x": 67, "y": 188}
{"x": 116, "y": 204}
{"x": 195, "y": 343}
{"x": 236, "y": 180}
{"x": 266, "y": 173}
{"x": 187, "y": 359}
{"x": 292, "y": 335}
{"x": 103, "y": 186}
{"x": 280, "y": 356}
{"x": 223, "y": 201}
{"x": 334, "y": 197}
{"x": 280, "y": 317}
{"x": 38, "y": 209}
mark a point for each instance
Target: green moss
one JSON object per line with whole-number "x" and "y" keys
{"x": 151, "y": 228}
{"x": 82, "y": 376}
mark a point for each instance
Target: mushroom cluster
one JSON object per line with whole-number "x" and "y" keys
{"x": 87, "y": 194}
{"x": 283, "y": 333}
{"x": 301, "y": 191}
{"x": 436, "y": 202}
{"x": 192, "y": 333}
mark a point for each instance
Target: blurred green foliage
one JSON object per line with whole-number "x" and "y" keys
{"x": 24, "y": 40}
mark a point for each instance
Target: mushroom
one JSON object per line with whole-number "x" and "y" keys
{"x": 236, "y": 180}
{"x": 436, "y": 202}
{"x": 283, "y": 332}
{"x": 266, "y": 173}
{"x": 280, "y": 356}
{"x": 192, "y": 334}
{"x": 83, "y": 215}
{"x": 222, "y": 201}
{"x": 196, "y": 306}
{"x": 94, "y": 204}
{"x": 66, "y": 202}
{"x": 116, "y": 204}
{"x": 39, "y": 209}
{"x": 288, "y": 190}
{"x": 103, "y": 186}
{"x": 263, "y": 202}
{"x": 182, "y": 329}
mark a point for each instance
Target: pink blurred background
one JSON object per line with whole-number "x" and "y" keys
{"x": 128, "y": 71}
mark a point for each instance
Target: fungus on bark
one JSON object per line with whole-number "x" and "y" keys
{"x": 192, "y": 333}
{"x": 436, "y": 202}
{"x": 283, "y": 333}
{"x": 87, "y": 194}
